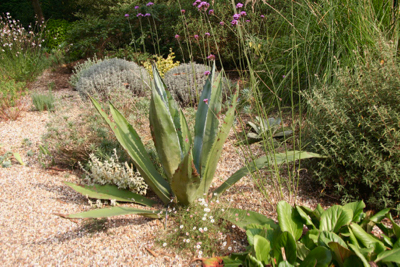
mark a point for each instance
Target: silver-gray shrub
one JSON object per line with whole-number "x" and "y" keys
{"x": 185, "y": 82}
{"x": 81, "y": 68}
{"x": 103, "y": 78}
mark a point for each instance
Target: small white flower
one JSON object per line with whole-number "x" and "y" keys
{"x": 198, "y": 246}
{"x": 229, "y": 248}
{"x": 207, "y": 210}
{"x": 200, "y": 253}
{"x": 205, "y": 229}
{"x": 188, "y": 240}
{"x": 224, "y": 244}
{"x": 164, "y": 245}
{"x": 194, "y": 228}
{"x": 211, "y": 217}
{"x": 181, "y": 226}
{"x": 215, "y": 194}
{"x": 212, "y": 221}
{"x": 204, "y": 218}
{"x": 184, "y": 240}
{"x": 233, "y": 226}
{"x": 222, "y": 210}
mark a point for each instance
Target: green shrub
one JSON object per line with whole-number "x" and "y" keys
{"x": 43, "y": 101}
{"x": 55, "y": 33}
{"x": 356, "y": 123}
{"x": 81, "y": 67}
{"x": 10, "y": 95}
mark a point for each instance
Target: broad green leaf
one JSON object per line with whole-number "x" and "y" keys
{"x": 285, "y": 241}
{"x": 204, "y": 118}
{"x": 357, "y": 209}
{"x": 216, "y": 149}
{"x": 131, "y": 142}
{"x": 185, "y": 181}
{"x": 340, "y": 253}
{"x": 115, "y": 211}
{"x": 289, "y": 220}
{"x": 396, "y": 228}
{"x": 164, "y": 134}
{"x": 318, "y": 257}
{"x": 310, "y": 239}
{"x": 302, "y": 251}
{"x": 285, "y": 264}
{"x": 367, "y": 240}
{"x": 326, "y": 237}
{"x": 389, "y": 256}
{"x": 262, "y": 248}
{"x": 110, "y": 192}
{"x": 245, "y": 217}
{"x": 353, "y": 261}
{"x": 305, "y": 217}
{"x": 228, "y": 262}
{"x": 379, "y": 216}
{"x": 17, "y": 156}
{"x": 355, "y": 249}
{"x": 253, "y": 262}
{"x": 396, "y": 244}
{"x": 315, "y": 215}
{"x": 334, "y": 218}
{"x": 250, "y": 233}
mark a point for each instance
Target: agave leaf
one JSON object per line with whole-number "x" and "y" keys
{"x": 110, "y": 192}
{"x": 131, "y": 142}
{"x": 285, "y": 133}
{"x": 255, "y": 127}
{"x": 185, "y": 133}
{"x": 164, "y": 134}
{"x": 114, "y": 211}
{"x": 185, "y": 181}
{"x": 216, "y": 149}
{"x": 206, "y": 125}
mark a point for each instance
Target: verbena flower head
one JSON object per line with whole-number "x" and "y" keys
{"x": 126, "y": 15}
{"x": 149, "y": 4}
{"x": 136, "y": 7}
{"x": 234, "y": 22}
{"x": 211, "y": 12}
{"x": 207, "y": 73}
{"x": 247, "y": 20}
{"x": 147, "y": 15}
{"x": 211, "y": 57}
{"x": 203, "y": 6}
{"x": 236, "y": 16}
{"x": 239, "y": 5}
{"x": 222, "y": 23}
{"x": 196, "y": 37}
{"x": 177, "y": 36}
{"x": 262, "y": 16}
{"x": 207, "y": 34}
{"x": 183, "y": 11}
{"x": 139, "y": 15}
{"x": 243, "y": 13}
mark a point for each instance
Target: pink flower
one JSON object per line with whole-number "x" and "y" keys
{"x": 222, "y": 23}
{"x": 239, "y": 5}
{"x": 211, "y": 12}
{"x": 236, "y": 16}
{"x": 207, "y": 34}
{"x": 207, "y": 73}
{"x": 211, "y": 57}
{"x": 183, "y": 11}
{"x": 196, "y": 37}
{"x": 243, "y": 13}
{"x": 262, "y": 16}
{"x": 205, "y": 101}
{"x": 234, "y": 22}
{"x": 136, "y": 7}
{"x": 176, "y": 36}
{"x": 126, "y": 15}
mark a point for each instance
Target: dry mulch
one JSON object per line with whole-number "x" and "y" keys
{"x": 31, "y": 233}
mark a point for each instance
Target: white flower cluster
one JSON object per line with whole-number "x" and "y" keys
{"x": 113, "y": 172}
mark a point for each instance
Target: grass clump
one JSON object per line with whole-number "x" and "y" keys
{"x": 43, "y": 102}
{"x": 355, "y": 123}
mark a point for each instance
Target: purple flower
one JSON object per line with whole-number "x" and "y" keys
{"x": 176, "y": 36}
{"x": 211, "y": 57}
{"x": 247, "y": 20}
{"x": 205, "y": 101}
{"x": 234, "y": 22}
{"x": 203, "y": 6}
{"x": 149, "y": 4}
{"x": 147, "y": 15}
{"x": 183, "y": 11}
{"x": 207, "y": 34}
{"x": 196, "y": 37}
{"x": 211, "y": 12}
{"x": 262, "y": 16}
{"x": 207, "y": 73}
{"x": 126, "y": 15}
{"x": 136, "y": 7}
{"x": 139, "y": 15}
{"x": 239, "y": 5}
{"x": 243, "y": 13}
{"x": 283, "y": 76}
{"x": 236, "y": 16}
{"x": 222, "y": 23}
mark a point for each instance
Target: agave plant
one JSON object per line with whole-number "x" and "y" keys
{"x": 189, "y": 163}
{"x": 267, "y": 127}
